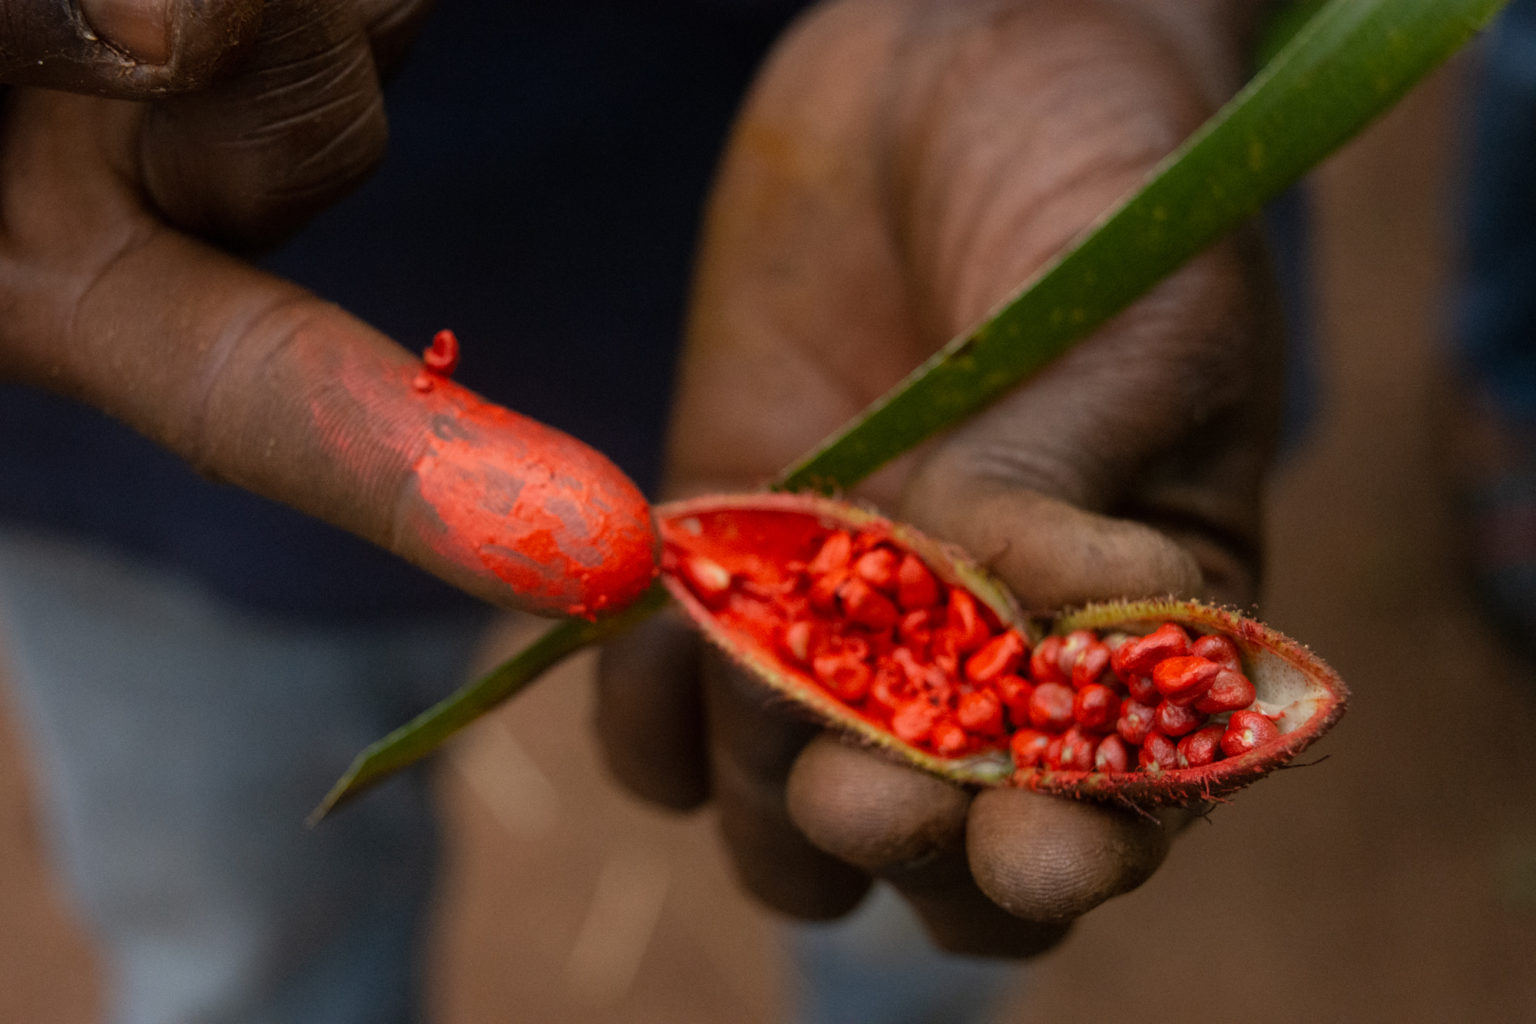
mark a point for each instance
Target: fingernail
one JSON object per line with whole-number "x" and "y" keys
{"x": 140, "y": 28}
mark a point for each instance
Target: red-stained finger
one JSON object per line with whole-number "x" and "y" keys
{"x": 132, "y": 49}
{"x": 260, "y": 384}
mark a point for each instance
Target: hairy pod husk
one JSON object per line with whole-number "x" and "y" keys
{"x": 819, "y": 599}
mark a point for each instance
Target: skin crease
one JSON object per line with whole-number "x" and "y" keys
{"x": 900, "y": 168}
{"x": 901, "y": 165}
{"x": 261, "y": 385}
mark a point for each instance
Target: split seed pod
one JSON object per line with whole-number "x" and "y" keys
{"x": 913, "y": 648}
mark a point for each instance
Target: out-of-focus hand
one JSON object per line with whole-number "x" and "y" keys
{"x": 234, "y": 121}
{"x": 898, "y": 170}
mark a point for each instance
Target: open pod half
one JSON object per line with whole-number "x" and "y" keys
{"x": 909, "y": 645}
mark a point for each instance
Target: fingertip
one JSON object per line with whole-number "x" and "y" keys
{"x": 521, "y": 512}
{"x": 868, "y": 811}
{"x": 1050, "y": 860}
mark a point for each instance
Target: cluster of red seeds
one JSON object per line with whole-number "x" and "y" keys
{"x": 876, "y": 629}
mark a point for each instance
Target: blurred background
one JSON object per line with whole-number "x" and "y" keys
{"x": 1396, "y": 880}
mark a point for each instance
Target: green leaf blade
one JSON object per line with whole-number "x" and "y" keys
{"x": 430, "y": 729}
{"x": 1346, "y": 66}
{"x": 1338, "y": 71}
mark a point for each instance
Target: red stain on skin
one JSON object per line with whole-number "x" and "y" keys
{"x": 490, "y": 491}
{"x": 545, "y": 513}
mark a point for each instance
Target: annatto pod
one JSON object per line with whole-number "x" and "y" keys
{"x": 909, "y": 645}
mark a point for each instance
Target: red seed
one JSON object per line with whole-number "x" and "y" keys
{"x": 1184, "y": 680}
{"x": 1045, "y": 661}
{"x": 442, "y": 357}
{"x": 707, "y": 579}
{"x": 1052, "y": 756}
{"x": 980, "y": 712}
{"x": 945, "y": 660}
{"x": 868, "y": 607}
{"x": 824, "y": 590}
{"x": 1077, "y": 750}
{"x": 889, "y": 692}
{"x": 964, "y": 622}
{"x": 1201, "y": 747}
{"x": 834, "y": 554}
{"x": 1217, "y": 648}
{"x": 915, "y": 585}
{"x": 1232, "y": 691}
{"x": 1115, "y": 639}
{"x": 797, "y": 640}
{"x": 855, "y": 647}
{"x": 1158, "y": 750}
{"x": 913, "y": 721}
{"x": 1111, "y": 755}
{"x": 917, "y": 622}
{"x": 1137, "y": 657}
{"x": 1135, "y": 721}
{"x": 1176, "y": 719}
{"x": 948, "y": 738}
{"x": 1028, "y": 747}
{"x": 997, "y": 657}
{"x": 877, "y": 568}
{"x": 1096, "y": 707}
{"x": 1090, "y": 665}
{"x": 1015, "y": 692}
{"x": 1141, "y": 688}
{"x": 1050, "y": 707}
{"x": 1247, "y": 730}
{"x": 1072, "y": 647}
{"x": 845, "y": 676}
{"x": 912, "y": 669}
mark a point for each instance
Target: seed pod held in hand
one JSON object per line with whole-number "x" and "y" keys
{"x": 962, "y": 717}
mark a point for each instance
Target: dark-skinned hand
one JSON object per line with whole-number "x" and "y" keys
{"x": 233, "y": 121}
{"x": 899, "y": 169}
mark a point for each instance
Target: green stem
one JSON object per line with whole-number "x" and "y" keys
{"x": 430, "y": 729}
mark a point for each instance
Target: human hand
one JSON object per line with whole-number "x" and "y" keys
{"x": 898, "y": 170}
{"x": 257, "y": 115}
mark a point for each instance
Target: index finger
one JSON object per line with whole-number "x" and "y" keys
{"x": 258, "y": 383}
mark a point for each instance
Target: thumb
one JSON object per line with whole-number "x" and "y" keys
{"x": 1051, "y": 553}
{"x": 129, "y": 49}
{"x": 258, "y": 383}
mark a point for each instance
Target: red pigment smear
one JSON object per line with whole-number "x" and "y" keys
{"x": 545, "y": 513}
{"x": 508, "y": 496}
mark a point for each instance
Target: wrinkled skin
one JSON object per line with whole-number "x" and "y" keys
{"x": 899, "y": 169}
{"x": 260, "y": 115}
{"x": 901, "y": 166}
